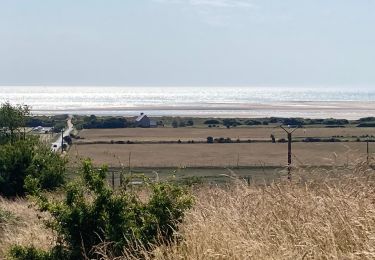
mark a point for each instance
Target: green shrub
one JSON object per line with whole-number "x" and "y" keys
{"x": 191, "y": 181}
{"x": 293, "y": 121}
{"x": 223, "y": 140}
{"x": 252, "y": 122}
{"x": 29, "y": 158}
{"x": 211, "y": 122}
{"x": 45, "y": 121}
{"x": 367, "y": 119}
{"x": 31, "y": 253}
{"x": 28, "y": 253}
{"x": 228, "y": 122}
{"x": 332, "y": 121}
{"x": 92, "y": 213}
{"x": 367, "y": 124}
{"x": 58, "y": 127}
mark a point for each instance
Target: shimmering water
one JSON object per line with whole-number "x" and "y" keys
{"x": 195, "y": 101}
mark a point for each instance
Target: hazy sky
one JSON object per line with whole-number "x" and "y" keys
{"x": 187, "y": 42}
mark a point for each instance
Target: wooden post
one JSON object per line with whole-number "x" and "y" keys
{"x": 121, "y": 180}
{"x": 368, "y": 153}
{"x": 130, "y": 173}
{"x": 289, "y": 155}
{"x": 248, "y": 180}
{"x": 62, "y": 140}
{"x": 113, "y": 180}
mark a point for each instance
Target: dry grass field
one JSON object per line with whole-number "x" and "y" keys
{"x": 320, "y": 215}
{"x": 184, "y": 134}
{"x": 219, "y": 155}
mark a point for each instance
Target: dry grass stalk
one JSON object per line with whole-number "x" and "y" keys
{"x": 25, "y": 226}
{"x": 320, "y": 215}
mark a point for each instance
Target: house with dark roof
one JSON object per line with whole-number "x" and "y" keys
{"x": 144, "y": 121}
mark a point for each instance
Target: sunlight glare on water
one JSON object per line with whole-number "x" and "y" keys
{"x": 158, "y": 101}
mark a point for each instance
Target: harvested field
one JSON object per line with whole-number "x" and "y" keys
{"x": 220, "y": 155}
{"x": 184, "y": 134}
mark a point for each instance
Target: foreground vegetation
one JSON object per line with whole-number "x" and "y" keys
{"x": 321, "y": 214}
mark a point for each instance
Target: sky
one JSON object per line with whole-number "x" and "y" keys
{"x": 188, "y": 42}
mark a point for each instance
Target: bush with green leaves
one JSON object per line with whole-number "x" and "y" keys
{"x": 32, "y": 253}
{"x": 26, "y": 159}
{"x": 93, "y": 213}
{"x": 211, "y": 122}
{"x": 12, "y": 119}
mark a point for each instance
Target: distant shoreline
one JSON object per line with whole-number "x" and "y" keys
{"x": 223, "y": 102}
{"x": 351, "y": 110}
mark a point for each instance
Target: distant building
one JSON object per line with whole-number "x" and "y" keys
{"x": 153, "y": 123}
{"x": 144, "y": 121}
{"x": 38, "y": 129}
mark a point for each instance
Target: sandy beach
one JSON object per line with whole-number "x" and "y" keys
{"x": 351, "y": 110}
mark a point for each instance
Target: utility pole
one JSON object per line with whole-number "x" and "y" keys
{"x": 289, "y": 133}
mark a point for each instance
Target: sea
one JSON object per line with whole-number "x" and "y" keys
{"x": 252, "y": 102}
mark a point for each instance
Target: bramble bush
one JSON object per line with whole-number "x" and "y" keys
{"x": 92, "y": 214}
{"x": 25, "y": 159}
{"x": 32, "y": 253}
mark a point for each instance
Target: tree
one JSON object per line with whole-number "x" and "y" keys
{"x": 190, "y": 122}
{"x": 12, "y": 118}
{"x": 211, "y": 121}
{"x": 174, "y": 124}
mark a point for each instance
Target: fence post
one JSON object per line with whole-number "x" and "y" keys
{"x": 62, "y": 140}
{"x": 130, "y": 172}
{"x": 113, "y": 180}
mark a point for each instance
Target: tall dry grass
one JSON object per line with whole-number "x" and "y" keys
{"x": 321, "y": 214}
{"x": 22, "y": 225}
